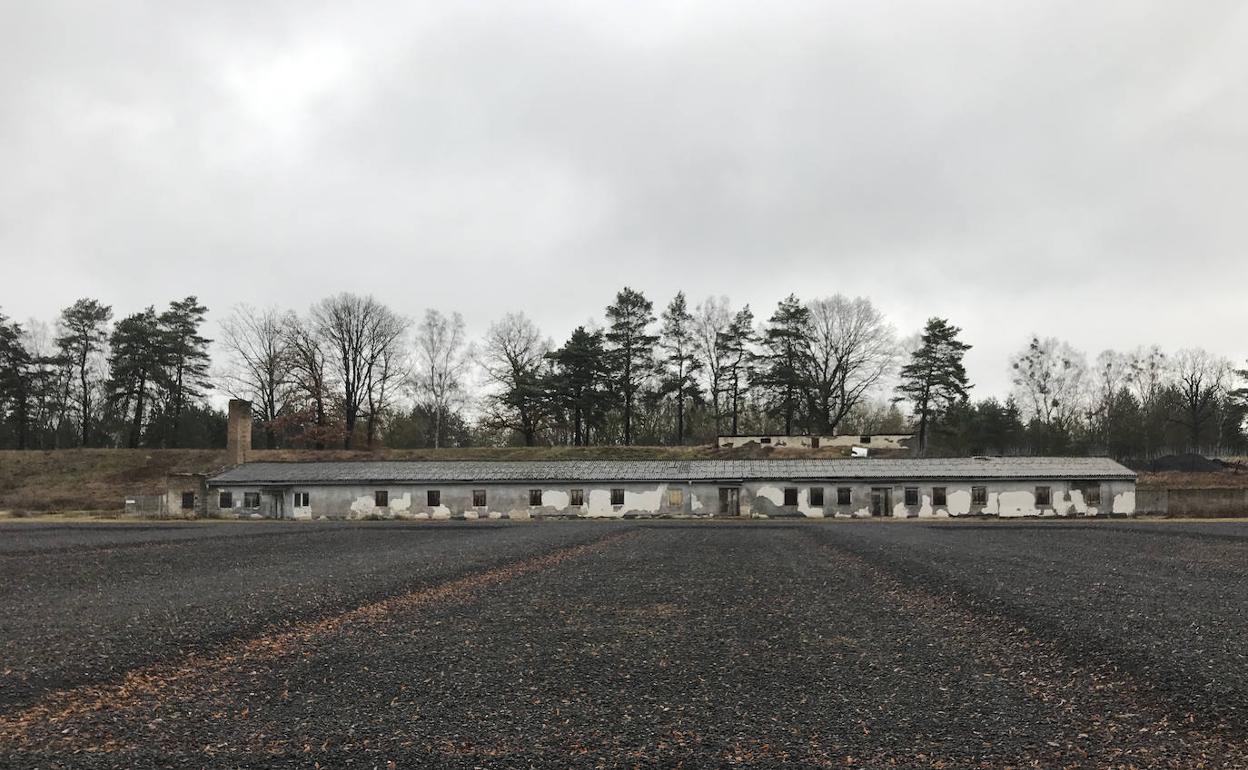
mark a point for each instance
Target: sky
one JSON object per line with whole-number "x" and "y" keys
{"x": 1068, "y": 169}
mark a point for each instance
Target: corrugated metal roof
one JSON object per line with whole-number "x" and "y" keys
{"x": 673, "y": 470}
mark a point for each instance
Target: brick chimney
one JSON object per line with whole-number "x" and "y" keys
{"x": 238, "y": 434}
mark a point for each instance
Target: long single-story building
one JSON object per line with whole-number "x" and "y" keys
{"x": 1022, "y": 486}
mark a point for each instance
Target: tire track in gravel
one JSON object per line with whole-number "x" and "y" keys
{"x": 48, "y": 724}
{"x": 1113, "y": 707}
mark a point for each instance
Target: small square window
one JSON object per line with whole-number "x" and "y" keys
{"x": 816, "y": 495}
{"x": 764, "y": 440}
{"x": 790, "y": 495}
{"x": 617, "y": 497}
{"x": 301, "y": 499}
{"x": 675, "y": 498}
{"x": 478, "y": 497}
{"x": 577, "y": 497}
{"x": 188, "y": 501}
{"x": 226, "y": 500}
{"x": 938, "y": 496}
{"x": 381, "y": 498}
{"x": 535, "y": 497}
{"x": 433, "y": 498}
{"x": 1091, "y": 492}
{"x": 865, "y": 439}
{"x": 912, "y": 495}
{"x": 251, "y": 499}
{"x": 843, "y": 495}
{"x": 979, "y": 495}
{"x": 1044, "y": 496}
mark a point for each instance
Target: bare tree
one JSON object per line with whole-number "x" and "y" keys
{"x": 261, "y": 367}
{"x": 1149, "y": 371}
{"x": 1050, "y": 378}
{"x": 512, "y": 357}
{"x": 710, "y": 321}
{"x": 360, "y": 335}
{"x": 310, "y": 372}
{"x": 852, "y": 349}
{"x": 1200, "y": 379}
{"x": 442, "y": 360}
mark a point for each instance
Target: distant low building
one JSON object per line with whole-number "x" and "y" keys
{"x": 867, "y": 440}
{"x": 996, "y": 486}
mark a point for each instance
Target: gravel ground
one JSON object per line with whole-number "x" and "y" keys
{"x": 858, "y": 644}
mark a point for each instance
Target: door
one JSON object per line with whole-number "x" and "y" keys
{"x": 729, "y": 501}
{"x": 881, "y": 501}
{"x": 278, "y": 508}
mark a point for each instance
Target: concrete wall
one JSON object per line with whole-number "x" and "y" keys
{"x": 180, "y": 484}
{"x": 762, "y": 499}
{"x": 1211, "y": 501}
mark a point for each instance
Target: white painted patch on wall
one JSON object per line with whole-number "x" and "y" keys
{"x": 958, "y": 502}
{"x": 1124, "y": 502}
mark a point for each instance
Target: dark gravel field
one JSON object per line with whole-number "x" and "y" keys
{"x": 594, "y": 644}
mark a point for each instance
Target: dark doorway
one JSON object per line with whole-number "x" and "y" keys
{"x": 729, "y": 501}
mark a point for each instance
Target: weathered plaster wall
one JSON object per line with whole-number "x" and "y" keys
{"x": 760, "y": 499}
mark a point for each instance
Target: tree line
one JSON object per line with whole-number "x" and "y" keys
{"x": 350, "y": 372}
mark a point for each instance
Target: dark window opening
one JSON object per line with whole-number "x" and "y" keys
{"x": 381, "y": 498}
{"x": 226, "y": 500}
{"x": 433, "y": 498}
{"x": 764, "y": 440}
{"x": 979, "y": 495}
{"x": 938, "y": 496}
{"x": 478, "y": 497}
{"x": 1091, "y": 492}
{"x": 865, "y": 439}
{"x": 816, "y": 495}
{"x": 188, "y": 501}
{"x": 1044, "y": 496}
{"x": 535, "y": 497}
{"x": 912, "y": 495}
{"x": 301, "y": 500}
{"x": 251, "y": 499}
{"x": 578, "y": 497}
{"x": 843, "y": 495}
{"x": 790, "y": 495}
{"x": 617, "y": 497}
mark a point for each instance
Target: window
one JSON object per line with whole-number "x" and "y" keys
{"x": 617, "y": 497}
{"x": 816, "y": 495}
{"x": 764, "y": 440}
{"x": 865, "y": 439}
{"x": 478, "y": 497}
{"x": 790, "y": 495}
{"x": 301, "y": 499}
{"x": 1091, "y": 492}
{"x": 979, "y": 495}
{"x": 433, "y": 498}
{"x": 1044, "y": 496}
{"x": 535, "y": 497}
{"x": 675, "y": 498}
{"x": 842, "y": 495}
{"x": 912, "y": 495}
{"x": 251, "y": 499}
{"x": 578, "y": 497}
{"x": 226, "y": 500}
{"x": 381, "y": 498}
{"x": 188, "y": 501}
{"x": 938, "y": 496}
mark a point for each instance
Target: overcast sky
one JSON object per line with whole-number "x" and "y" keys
{"x": 1075, "y": 169}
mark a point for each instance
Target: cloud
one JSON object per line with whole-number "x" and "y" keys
{"x": 1072, "y": 169}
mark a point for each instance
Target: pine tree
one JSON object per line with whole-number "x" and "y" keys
{"x": 85, "y": 327}
{"x": 680, "y": 362}
{"x": 16, "y": 380}
{"x": 137, "y": 352}
{"x": 935, "y": 378}
{"x": 186, "y": 376}
{"x": 577, "y": 383}
{"x": 786, "y": 341}
{"x": 735, "y": 346}
{"x": 632, "y": 356}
